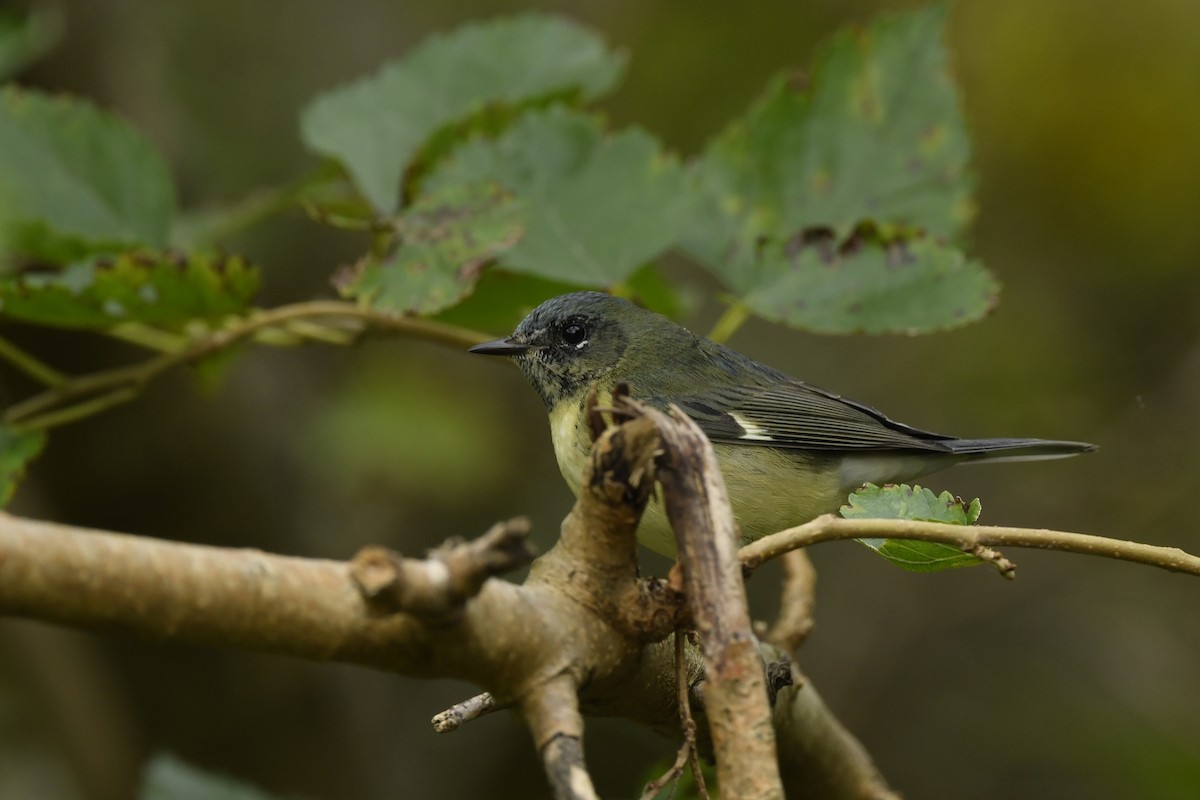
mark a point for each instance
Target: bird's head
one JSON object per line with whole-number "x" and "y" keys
{"x": 573, "y": 341}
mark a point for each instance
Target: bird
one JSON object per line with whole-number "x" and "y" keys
{"x": 788, "y": 451}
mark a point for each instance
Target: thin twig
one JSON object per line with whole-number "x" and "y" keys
{"x": 148, "y": 337}
{"x": 688, "y": 753}
{"x": 685, "y": 713}
{"x": 30, "y": 364}
{"x": 136, "y": 376}
{"x": 472, "y": 708}
{"x": 79, "y": 411}
{"x": 727, "y": 325}
{"x": 829, "y": 528}
{"x": 796, "y": 600}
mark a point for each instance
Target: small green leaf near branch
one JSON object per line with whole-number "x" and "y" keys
{"x": 914, "y": 503}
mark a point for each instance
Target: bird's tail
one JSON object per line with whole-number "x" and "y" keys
{"x": 995, "y": 450}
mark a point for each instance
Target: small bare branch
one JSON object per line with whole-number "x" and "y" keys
{"x": 436, "y": 588}
{"x": 828, "y": 527}
{"x": 797, "y": 598}
{"x": 454, "y": 717}
{"x": 688, "y": 753}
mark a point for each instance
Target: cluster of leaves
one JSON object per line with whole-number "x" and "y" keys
{"x": 476, "y": 167}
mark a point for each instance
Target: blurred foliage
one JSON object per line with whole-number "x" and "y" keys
{"x": 26, "y": 37}
{"x": 833, "y": 207}
{"x": 17, "y": 448}
{"x": 373, "y": 434}
{"x": 377, "y": 126}
{"x": 168, "y": 778}
{"x": 163, "y": 290}
{"x": 75, "y": 180}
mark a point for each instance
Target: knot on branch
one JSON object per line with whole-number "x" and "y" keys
{"x": 436, "y": 588}
{"x": 623, "y": 455}
{"x": 651, "y": 609}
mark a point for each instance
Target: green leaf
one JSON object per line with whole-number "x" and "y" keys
{"x": 443, "y": 242}
{"x": 868, "y": 155}
{"x": 75, "y": 180}
{"x": 17, "y": 448}
{"x": 157, "y": 289}
{"x": 167, "y": 778}
{"x": 24, "y": 38}
{"x": 375, "y": 126}
{"x": 914, "y": 502}
{"x": 867, "y": 286}
{"x": 596, "y": 207}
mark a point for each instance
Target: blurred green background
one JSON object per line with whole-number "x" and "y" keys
{"x": 1081, "y": 679}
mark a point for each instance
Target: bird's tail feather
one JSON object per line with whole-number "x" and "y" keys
{"x": 993, "y": 450}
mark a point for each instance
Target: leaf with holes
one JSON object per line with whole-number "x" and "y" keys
{"x": 914, "y": 502}
{"x": 868, "y": 155}
{"x": 443, "y": 242}
{"x": 867, "y": 286}
{"x": 158, "y": 289}
{"x": 374, "y": 127}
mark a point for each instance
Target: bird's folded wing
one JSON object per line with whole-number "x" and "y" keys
{"x": 795, "y": 415}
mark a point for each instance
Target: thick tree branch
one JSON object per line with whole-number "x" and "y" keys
{"x": 583, "y": 623}
{"x": 735, "y": 693}
{"x": 829, "y": 528}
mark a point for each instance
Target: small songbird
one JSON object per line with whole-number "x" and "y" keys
{"x": 788, "y": 451}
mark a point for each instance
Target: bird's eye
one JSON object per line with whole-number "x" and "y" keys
{"x": 575, "y": 333}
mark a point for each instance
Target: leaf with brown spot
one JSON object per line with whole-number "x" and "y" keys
{"x": 835, "y": 203}
{"x": 443, "y": 243}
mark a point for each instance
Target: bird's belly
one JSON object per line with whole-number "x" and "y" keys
{"x": 768, "y": 489}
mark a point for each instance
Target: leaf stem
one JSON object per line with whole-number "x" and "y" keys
{"x": 208, "y": 226}
{"x": 83, "y": 410}
{"x": 149, "y": 337}
{"x": 103, "y": 385}
{"x": 31, "y": 365}
{"x": 734, "y": 317}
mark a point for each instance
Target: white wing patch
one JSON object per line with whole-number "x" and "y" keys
{"x": 750, "y": 430}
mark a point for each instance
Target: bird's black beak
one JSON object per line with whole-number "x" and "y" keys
{"x": 501, "y": 347}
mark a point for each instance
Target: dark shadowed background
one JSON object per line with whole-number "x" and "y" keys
{"x": 1081, "y": 679}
